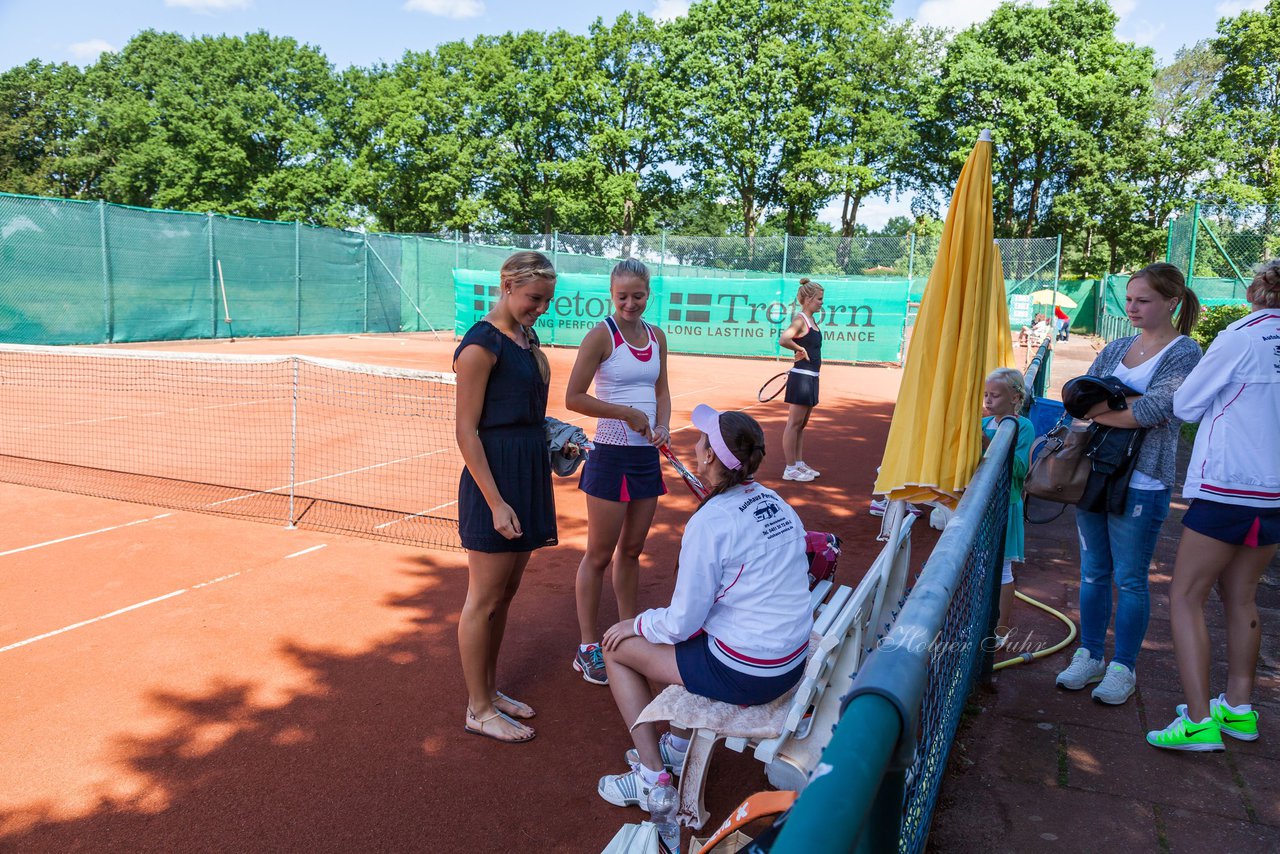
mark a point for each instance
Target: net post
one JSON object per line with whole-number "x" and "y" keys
{"x": 297, "y": 277}
{"x": 213, "y": 281}
{"x": 365, "y": 265}
{"x": 109, "y": 331}
{"x": 293, "y": 450}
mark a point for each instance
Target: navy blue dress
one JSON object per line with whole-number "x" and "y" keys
{"x": 515, "y": 444}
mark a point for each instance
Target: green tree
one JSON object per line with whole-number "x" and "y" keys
{"x": 1058, "y": 91}
{"x": 1249, "y": 100}
{"x": 42, "y": 120}
{"x": 236, "y": 125}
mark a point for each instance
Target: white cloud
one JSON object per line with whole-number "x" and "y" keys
{"x": 1231, "y": 8}
{"x": 208, "y": 5}
{"x": 959, "y": 15}
{"x": 87, "y": 51}
{"x": 1123, "y": 8}
{"x": 1145, "y": 32}
{"x": 447, "y": 8}
{"x": 669, "y": 10}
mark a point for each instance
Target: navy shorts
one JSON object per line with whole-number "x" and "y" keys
{"x": 1234, "y": 524}
{"x": 623, "y": 473}
{"x": 802, "y": 389}
{"x": 705, "y": 675}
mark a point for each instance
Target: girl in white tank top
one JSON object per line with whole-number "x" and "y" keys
{"x": 627, "y": 359}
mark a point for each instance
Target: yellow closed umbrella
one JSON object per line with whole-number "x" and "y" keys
{"x": 961, "y": 334}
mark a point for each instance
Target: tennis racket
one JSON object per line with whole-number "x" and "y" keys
{"x": 690, "y": 479}
{"x": 772, "y": 387}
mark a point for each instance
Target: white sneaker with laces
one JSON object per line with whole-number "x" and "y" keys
{"x": 625, "y": 790}
{"x": 1117, "y": 686}
{"x": 878, "y": 506}
{"x": 1083, "y": 670}
{"x": 796, "y": 474}
{"x": 803, "y": 466}
{"x": 672, "y": 759}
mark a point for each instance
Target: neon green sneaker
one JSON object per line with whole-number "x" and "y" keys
{"x": 1239, "y": 725}
{"x": 1182, "y": 734}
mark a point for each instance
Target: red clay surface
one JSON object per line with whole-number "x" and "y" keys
{"x": 253, "y": 698}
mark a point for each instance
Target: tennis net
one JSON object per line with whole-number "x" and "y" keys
{"x": 321, "y": 444}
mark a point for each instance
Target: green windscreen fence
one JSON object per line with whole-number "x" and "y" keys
{"x": 861, "y": 320}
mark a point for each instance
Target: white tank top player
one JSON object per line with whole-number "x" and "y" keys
{"x": 628, "y": 377}
{"x": 622, "y": 478}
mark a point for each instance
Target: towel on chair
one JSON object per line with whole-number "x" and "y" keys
{"x": 694, "y": 711}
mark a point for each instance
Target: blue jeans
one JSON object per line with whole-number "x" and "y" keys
{"x": 1118, "y": 548}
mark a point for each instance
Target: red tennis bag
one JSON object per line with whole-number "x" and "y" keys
{"x": 823, "y": 551}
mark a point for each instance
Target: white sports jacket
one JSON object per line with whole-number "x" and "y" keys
{"x": 1234, "y": 392}
{"x": 743, "y": 579}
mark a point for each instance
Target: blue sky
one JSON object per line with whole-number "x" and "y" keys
{"x": 382, "y": 30}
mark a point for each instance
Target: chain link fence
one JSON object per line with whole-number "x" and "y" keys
{"x": 76, "y": 272}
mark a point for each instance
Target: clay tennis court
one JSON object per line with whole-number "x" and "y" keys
{"x": 182, "y": 681}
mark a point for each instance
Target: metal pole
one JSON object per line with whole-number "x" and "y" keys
{"x": 297, "y": 276}
{"x": 106, "y": 273}
{"x": 1168, "y": 243}
{"x": 662, "y": 257}
{"x": 365, "y": 270}
{"x": 911, "y": 262}
{"x": 457, "y": 239}
{"x": 786, "y": 239}
{"x": 1195, "y": 230}
{"x": 417, "y": 273}
{"x": 555, "y": 247}
{"x": 293, "y": 448}
{"x": 213, "y": 282}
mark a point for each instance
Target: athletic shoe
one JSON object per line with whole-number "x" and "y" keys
{"x": 1083, "y": 670}
{"x": 1182, "y": 734}
{"x": 810, "y": 469}
{"x": 1117, "y": 686}
{"x": 672, "y": 759}
{"x": 879, "y": 506}
{"x": 625, "y": 790}
{"x": 1239, "y": 725}
{"x": 797, "y": 474}
{"x": 590, "y": 663}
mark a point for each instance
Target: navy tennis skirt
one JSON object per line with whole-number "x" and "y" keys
{"x": 1234, "y": 524}
{"x": 622, "y": 473}
{"x": 707, "y": 676}
{"x": 802, "y": 389}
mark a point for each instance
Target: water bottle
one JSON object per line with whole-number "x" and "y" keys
{"x": 664, "y": 800}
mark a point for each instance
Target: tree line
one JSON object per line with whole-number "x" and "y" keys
{"x": 744, "y": 117}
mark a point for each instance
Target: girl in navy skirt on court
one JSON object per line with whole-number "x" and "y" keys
{"x": 804, "y": 338}
{"x": 622, "y": 477}
{"x": 505, "y": 504}
{"x": 737, "y": 629}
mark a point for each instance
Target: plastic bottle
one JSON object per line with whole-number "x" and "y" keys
{"x": 664, "y": 800}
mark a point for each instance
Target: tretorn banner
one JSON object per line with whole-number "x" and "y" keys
{"x": 862, "y": 320}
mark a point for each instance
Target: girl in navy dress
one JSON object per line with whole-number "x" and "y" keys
{"x": 505, "y": 504}
{"x": 623, "y": 476}
{"x": 804, "y": 338}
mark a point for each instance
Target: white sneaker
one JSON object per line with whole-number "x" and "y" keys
{"x": 625, "y": 790}
{"x": 803, "y": 466}
{"x": 878, "y": 506}
{"x": 672, "y": 759}
{"x": 797, "y": 474}
{"x": 1083, "y": 670}
{"x": 1117, "y": 686}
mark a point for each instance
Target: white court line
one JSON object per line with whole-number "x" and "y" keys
{"x": 306, "y": 551}
{"x": 84, "y": 623}
{"x": 415, "y": 515}
{"x": 85, "y": 534}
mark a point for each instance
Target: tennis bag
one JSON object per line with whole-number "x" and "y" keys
{"x": 823, "y": 551}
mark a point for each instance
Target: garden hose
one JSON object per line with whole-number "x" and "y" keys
{"x": 1030, "y": 656}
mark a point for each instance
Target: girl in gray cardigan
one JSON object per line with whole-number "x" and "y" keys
{"x": 1114, "y": 547}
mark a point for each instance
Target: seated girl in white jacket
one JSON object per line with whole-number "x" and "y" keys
{"x": 738, "y": 625}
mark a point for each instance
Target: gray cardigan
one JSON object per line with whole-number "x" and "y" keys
{"x": 1155, "y": 408}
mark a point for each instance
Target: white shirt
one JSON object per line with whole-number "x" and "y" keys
{"x": 628, "y": 377}
{"x": 1138, "y": 379}
{"x": 744, "y": 579}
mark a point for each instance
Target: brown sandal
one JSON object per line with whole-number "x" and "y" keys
{"x": 481, "y": 729}
{"x": 514, "y": 708}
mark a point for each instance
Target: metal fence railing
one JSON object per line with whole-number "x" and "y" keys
{"x": 884, "y": 765}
